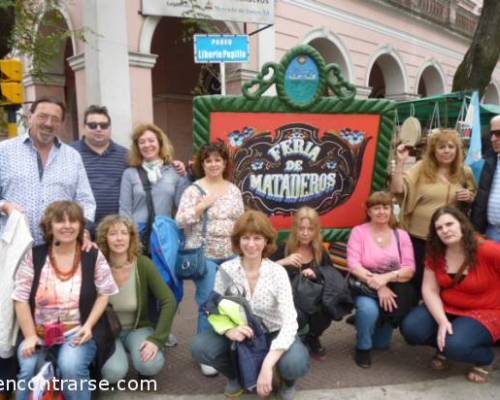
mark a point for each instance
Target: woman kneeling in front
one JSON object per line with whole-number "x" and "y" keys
{"x": 138, "y": 281}
{"x": 269, "y": 294}
{"x": 461, "y": 311}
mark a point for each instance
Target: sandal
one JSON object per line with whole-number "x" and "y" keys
{"x": 439, "y": 362}
{"x": 479, "y": 374}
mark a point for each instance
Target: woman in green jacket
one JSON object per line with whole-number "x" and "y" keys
{"x": 138, "y": 280}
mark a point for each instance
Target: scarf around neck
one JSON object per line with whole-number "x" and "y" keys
{"x": 153, "y": 169}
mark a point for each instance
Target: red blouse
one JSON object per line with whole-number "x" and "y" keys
{"x": 478, "y": 295}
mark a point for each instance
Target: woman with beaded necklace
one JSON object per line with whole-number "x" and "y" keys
{"x": 60, "y": 294}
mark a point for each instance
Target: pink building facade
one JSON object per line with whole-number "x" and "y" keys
{"x": 141, "y": 67}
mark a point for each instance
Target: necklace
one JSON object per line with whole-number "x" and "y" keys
{"x": 64, "y": 276}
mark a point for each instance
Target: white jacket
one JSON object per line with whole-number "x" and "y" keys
{"x": 15, "y": 241}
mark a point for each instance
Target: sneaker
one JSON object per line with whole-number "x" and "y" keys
{"x": 315, "y": 347}
{"x": 208, "y": 370}
{"x": 363, "y": 358}
{"x": 233, "y": 388}
{"x": 171, "y": 341}
{"x": 287, "y": 392}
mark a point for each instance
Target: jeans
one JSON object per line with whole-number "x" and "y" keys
{"x": 471, "y": 342}
{"x": 116, "y": 367}
{"x": 493, "y": 233}
{"x": 73, "y": 362}
{"x": 213, "y": 349}
{"x": 204, "y": 287}
{"x": 371, "y": 332}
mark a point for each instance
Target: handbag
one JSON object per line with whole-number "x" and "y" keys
{"x": 307, "y": 294}
{"x": 406, "y": 296}
{"x": 114, "y": 323}
{"x": 191, "y": 263}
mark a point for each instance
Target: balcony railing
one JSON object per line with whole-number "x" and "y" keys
{"x": 445, "y": 12}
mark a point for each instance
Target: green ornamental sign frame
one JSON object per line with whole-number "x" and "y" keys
{"x": 304, "y": 84}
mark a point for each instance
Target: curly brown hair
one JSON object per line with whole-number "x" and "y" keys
{"x": 166, "y": 149}
{"x": 258, "y": 223}
{"x": 57, "y": 212}
{"x": 430, "y": 163}
{"x": 134, "y": 248}
{"x": 436, "y": 249}
{"x": 205, "y": 151}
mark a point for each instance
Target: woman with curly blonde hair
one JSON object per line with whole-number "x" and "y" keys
{"x": 138, "y": 280}
{"x": 151, "y": 156}
{"x": 439, "y": 179}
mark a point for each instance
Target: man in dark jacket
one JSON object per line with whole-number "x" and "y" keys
{"x": 486, "y": 208}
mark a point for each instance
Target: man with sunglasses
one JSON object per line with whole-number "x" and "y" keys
{"x": 104, "y": 160}
{"x": 486, "y": 208}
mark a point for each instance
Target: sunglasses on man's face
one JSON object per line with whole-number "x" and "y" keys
{"x": 495, "y": 133}
{"x": 95, "y": 125}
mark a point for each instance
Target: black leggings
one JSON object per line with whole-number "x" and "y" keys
{"x": 419, "y": 252}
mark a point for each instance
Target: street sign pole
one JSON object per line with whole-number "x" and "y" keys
{"x": 222, "y": 78}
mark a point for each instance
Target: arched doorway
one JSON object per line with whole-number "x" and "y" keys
{"x": 491, "y": 94}
{"x": 175, "y": 80}
{"x": 386, "y": 77}
{"x": 332, "y": 54}
{"x": 431, "y": 82}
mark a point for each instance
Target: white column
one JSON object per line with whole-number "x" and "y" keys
{"x": 107, "y": 72}
{"x": 267, "y": 51}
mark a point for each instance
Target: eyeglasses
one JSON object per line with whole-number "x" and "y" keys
{"x": 495, "y": 133}
{"x": 95, "y": 125}
{"x": 42, "y": 117}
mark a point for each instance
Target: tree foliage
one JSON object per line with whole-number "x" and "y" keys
{"x": 35, "y": 29}
{"x": 474, "y": 73}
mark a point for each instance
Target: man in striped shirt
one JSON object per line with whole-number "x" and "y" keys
{"x": 104, "y": 160}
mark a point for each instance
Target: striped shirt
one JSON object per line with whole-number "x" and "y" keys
{"x": 494, "y": 198}
{"x": 105, "y": 173}
{"x": 24, "y": 180}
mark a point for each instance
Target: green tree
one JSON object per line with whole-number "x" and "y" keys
{"x": 21, "y": 22}
{"x": 474, "y": 73}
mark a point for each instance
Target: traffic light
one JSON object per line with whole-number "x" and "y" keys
{"x": 11, "y": 87}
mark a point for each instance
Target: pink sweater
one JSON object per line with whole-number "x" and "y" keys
{"x": 363, "y": 251}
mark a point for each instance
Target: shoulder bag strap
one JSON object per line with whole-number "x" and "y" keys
{"x": 146, "y": 184}
{"x": 205, "y": 216}
{"x": 396, "y": 233}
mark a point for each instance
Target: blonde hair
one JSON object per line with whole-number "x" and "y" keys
{"x": 134, "y": 248}
{"x": 258, "y": 223}
{"x": 430, "y": 164}
{"x": 166, "y": 149}
{"x": 292, "y": 243}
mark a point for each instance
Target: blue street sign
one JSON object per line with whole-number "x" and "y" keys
{"x": 221, "y": 48}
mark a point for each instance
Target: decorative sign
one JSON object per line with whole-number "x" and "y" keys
{"x": 221, "y": 48}
{"x": 296, "y": 168}
{"x": 302, "y": 79}
{"x": 302, "y": 148}
{"x": 256, "y": 11}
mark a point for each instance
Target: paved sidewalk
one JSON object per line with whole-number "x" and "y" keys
{"x": 399, "y": 373}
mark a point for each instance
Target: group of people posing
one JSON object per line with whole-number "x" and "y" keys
{"x": 89, "y": 208}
